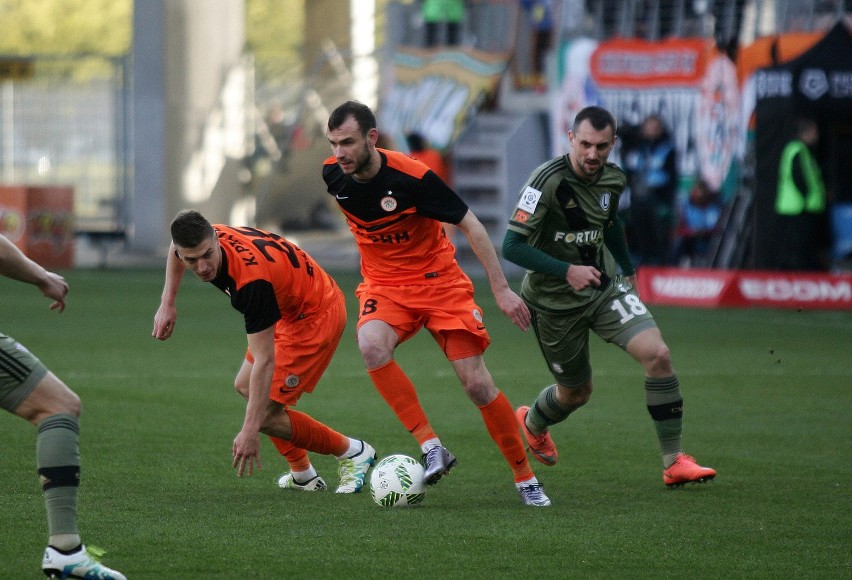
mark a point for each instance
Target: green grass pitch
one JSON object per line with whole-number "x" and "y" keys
{"x": 768, "y": 395}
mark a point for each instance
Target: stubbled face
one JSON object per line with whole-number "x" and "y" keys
{"x": 355, "y": 153}
{"x": 590, "y": 149}
{"x": 204, "y": 260}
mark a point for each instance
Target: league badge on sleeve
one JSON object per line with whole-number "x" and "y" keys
{"x": 529, "y": 199}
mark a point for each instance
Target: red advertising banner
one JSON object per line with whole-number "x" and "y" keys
{"x": 742, "y": 288}
{"x": 636, "y": 63}
{"x": 40, "y": 221}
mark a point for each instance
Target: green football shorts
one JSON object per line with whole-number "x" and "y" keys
{"x": 617, "y": 315}
{"x": 20, "y": 372}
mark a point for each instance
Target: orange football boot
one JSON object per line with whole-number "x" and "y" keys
{"x": 686, "y": 470}
{"x": 541, "y": 446}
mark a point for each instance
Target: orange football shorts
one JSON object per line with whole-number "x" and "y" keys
{"x": 447, "y": 310}
{"x": 303, "y": 351}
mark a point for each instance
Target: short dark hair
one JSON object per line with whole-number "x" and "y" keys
{"x": 189, "y": 228}
{"x": 362, "y": 114}
{"x": 599, "y": 118}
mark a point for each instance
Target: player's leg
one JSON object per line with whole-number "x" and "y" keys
{"x": 302, "y": 475}
{"x": 456, "y": 323}
{"x": 662, "y": 390}
{"x": 499, "y": 419}
{"x": 355, "y": 456}
{"x": 665, "y": 405}
{"x": 302, "y": 353}
{"x": 55, "y": 410}
{"x": 564, "y": 342}
{"x": 628, "y": 323}
{"x": 382, "y": 325}
{"x": 33, "y": 393}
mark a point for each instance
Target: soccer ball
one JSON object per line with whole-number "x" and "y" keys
{"x": 397, "y": 481}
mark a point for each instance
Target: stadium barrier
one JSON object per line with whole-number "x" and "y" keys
{"x": 744, "y": 288}
{"x": 40, "y": 221}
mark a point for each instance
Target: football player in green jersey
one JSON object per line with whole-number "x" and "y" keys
{"x": 566, "y": 233}
{"x": 31, "y": 391}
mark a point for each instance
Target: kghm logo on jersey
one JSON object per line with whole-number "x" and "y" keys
{"x": 605, "y": 200}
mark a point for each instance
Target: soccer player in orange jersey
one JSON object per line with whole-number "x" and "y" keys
{"x": 294, "y": 315}
{"x": 395, "y": 207}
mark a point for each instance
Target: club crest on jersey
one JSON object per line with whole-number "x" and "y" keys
{"x": 478, "y": 316}
{"x": 605, "y": 200}
{"x": 388, "y": 203}
{"x": 292, "y": 381}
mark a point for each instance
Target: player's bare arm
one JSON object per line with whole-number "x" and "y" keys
{"x": 166, "y": 316}
{"x": 510, "y": 303}
{"x": 246, "y": 447}
{"x": 15, "y": 265}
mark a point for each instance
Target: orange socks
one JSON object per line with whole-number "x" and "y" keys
{"x": 297, "y": 458}
{"x": 311, "y": 435}
{"x": 501, "y": 424}
{"x": 397, "y": 390}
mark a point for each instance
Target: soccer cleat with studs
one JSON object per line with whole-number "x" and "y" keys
{"x": 541, "y": 446}
{"x": 533, "y": 494}
{"x": 287, "y": 481}
{"x": 83, "y": 563}
{"x": 437, "y": 462}
{"x": 685, "y": 470}
{"x": 353, "y": 470}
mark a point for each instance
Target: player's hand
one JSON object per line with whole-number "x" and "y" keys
{"x": 246, "y": 452}
{"x": 581, "y": 277}
{"x": 55, "y": 287}
{"x": 515, "y": 308}
{"x": 164, "y": 322}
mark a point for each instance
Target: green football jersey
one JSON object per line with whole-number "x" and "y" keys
{"x": 565, "y": 217}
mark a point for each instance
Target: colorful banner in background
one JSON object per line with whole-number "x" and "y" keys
{"x": 434, "y": 93}
{"x": 693, "y": 87}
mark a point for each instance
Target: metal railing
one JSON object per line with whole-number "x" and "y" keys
{"x": 66, "y": 121}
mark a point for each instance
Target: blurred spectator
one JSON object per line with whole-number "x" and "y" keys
{"x": 446, "y": 14}
{"x": 420, "y": 149}
{"x": 800, "y": 203}
{"x": 541, "y": 22}
{"x": 652, "y": 171}
{"x": 699, "y": 217}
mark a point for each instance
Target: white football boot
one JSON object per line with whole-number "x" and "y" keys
{"x": 287, "y": 481}
{"x": 353, "y": 470}
{"x": 81, "y": 564}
